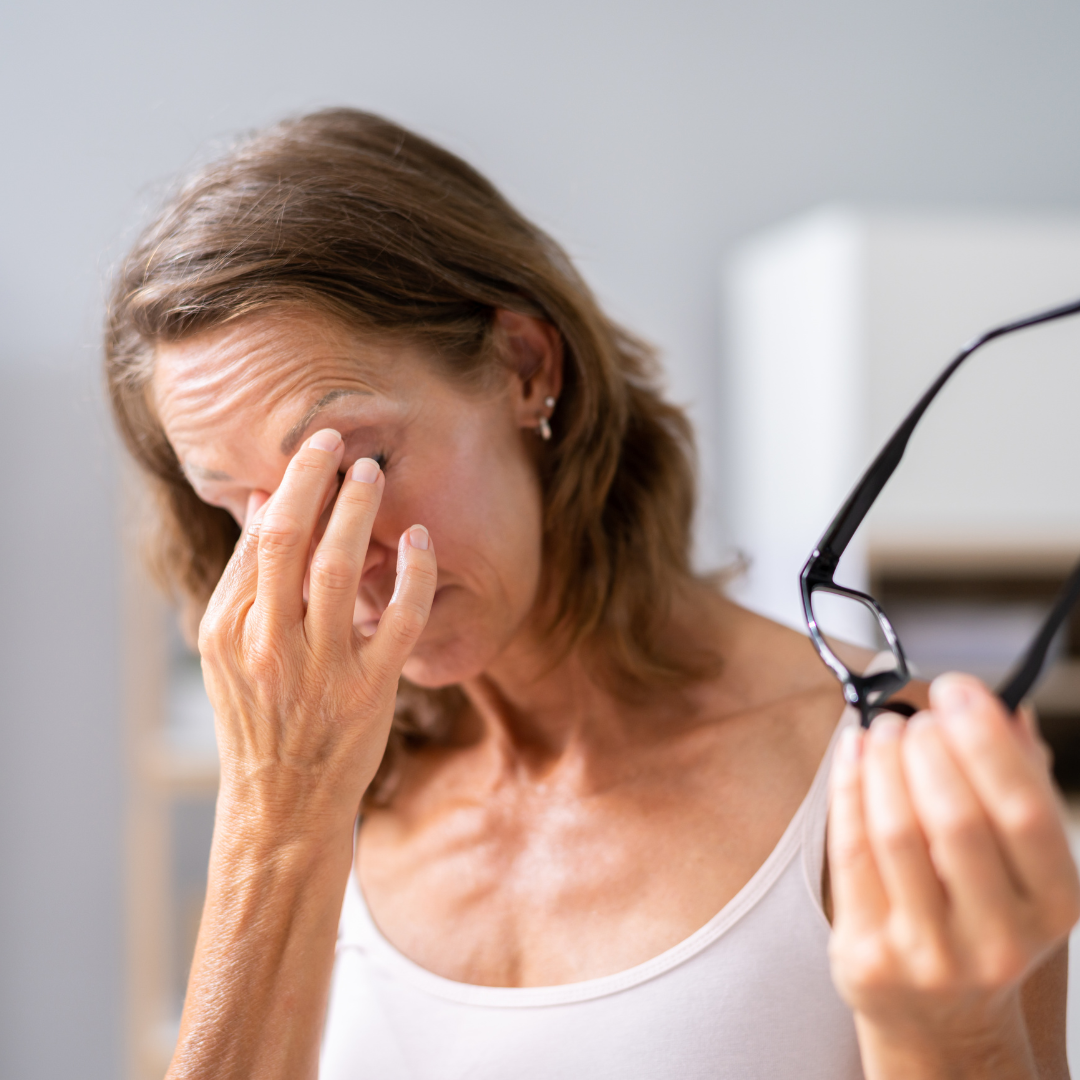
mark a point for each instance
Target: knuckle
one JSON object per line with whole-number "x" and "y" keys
{"x": 846, "y": 850}
{"x": 215, "y": 632}
{"x": 960, "y": 826}
{"x": 1061, "y": 906}
{"x": 382, "y": 672}
{"x": 864, "y": 963}
{"x": 425, "y": 574}
{"x": 1001, "y": 963}
{"x": 363, "y": 496}
{"x": 264, "y": 660}
{"x": 932, "y": 968}
{"x": 898, "y": 837}
{"x": 334, "y": 570}
{"x": 209, "y": 645}
{"x": 1026, "y": 817}
{"x": 280, "y": 535}
{"x": 407, "y": 624}
{"x": 311, "y": 461}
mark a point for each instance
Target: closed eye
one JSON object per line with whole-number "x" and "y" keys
{"x": 379, "y": 459}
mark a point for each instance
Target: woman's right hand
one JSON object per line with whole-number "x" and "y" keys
{"x": 303, "y": 702}
{"x": 303, "y": 705}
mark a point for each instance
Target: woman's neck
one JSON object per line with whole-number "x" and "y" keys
{"x": 536, "y": 710}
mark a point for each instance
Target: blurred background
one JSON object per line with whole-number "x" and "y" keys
{"x": 661, "y": 143}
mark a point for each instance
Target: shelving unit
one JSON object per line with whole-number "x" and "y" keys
{"x": 173, "y": 779}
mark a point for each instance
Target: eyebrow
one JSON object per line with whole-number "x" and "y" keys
{"x": 294, "y": 434}
{"x": 206, "y": 474}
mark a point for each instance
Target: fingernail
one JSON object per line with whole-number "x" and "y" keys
{"x": 849, "y": 746}
{"x": 951, "y": 695}
{"x": 366, "y": 470}
{"x": 418, "y": 537}
{"x": 886, "y": 728}
{"x": 327, "y": 439}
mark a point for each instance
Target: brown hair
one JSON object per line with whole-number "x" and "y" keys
{"x": 351, "y": 214}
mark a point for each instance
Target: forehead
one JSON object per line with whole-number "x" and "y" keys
{"x": 265, "y": 360}
{"x": 260, "y": 376}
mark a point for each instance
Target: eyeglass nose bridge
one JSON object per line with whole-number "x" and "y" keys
{"x": 864, "y": 692}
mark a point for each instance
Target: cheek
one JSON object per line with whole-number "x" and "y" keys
{"x": 484, "y": 510}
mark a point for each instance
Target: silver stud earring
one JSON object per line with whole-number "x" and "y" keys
{"x": 542, "y": 424}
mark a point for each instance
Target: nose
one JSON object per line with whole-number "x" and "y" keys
{"x": 378, "y": 554}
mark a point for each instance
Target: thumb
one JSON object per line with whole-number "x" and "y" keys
{"x": 406, "y": 615}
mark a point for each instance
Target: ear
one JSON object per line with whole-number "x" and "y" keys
{"x": 533, "y": 351}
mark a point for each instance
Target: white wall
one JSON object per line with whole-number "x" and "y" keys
{"x": 646, "y": 136}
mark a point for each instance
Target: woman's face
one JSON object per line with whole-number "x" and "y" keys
{"x": 237, "y": 401}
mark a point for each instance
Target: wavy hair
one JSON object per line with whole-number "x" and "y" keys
{"x": 351, "y": 214}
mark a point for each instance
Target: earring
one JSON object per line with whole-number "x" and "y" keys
{"x": 542, "y": 424}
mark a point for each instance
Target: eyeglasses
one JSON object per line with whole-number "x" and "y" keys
{"x": 827, "y": 605}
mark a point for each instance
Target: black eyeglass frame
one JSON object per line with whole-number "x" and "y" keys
{"x": 869, "y": 693}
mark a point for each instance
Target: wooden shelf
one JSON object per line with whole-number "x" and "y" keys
{"x": 971, "y": 557}
{"x": 1058, "y": 693}
{"x": 169, "y": 773}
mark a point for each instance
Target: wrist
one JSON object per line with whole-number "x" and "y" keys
{"x": 269, "y": 807}
{"x": 991, "y": 1041}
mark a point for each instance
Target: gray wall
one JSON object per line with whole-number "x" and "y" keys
{"x": 646, "y": 136}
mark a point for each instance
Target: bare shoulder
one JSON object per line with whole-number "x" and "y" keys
{"x": 774, "y": 675}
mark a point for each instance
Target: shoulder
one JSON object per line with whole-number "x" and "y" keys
{"x": 774, "y": 697}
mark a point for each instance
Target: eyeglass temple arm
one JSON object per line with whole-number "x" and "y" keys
{"x": 1012, "y": 691}
{"x": 838, "y": 535}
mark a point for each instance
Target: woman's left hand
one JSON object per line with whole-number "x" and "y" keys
{"x": 952, "y": 880}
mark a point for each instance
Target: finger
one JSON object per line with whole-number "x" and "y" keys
{"x": 235, "y": 591}
{"x": 256, "y": 507}
{"x": 338, "y": 562}
{"x": 858, "y": 894}
{"x": 1030, "y": 738}
{"x": 288, "y": 525}
{"x": 896, "y": 838}
{"x": 964, "y": 849}
{"x": 1011, "y": 785}
{"x": 406, "y": 615}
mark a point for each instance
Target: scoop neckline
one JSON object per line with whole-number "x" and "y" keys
{"x": 759, "y": 883}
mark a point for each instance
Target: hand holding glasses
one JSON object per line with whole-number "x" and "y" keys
{"x": 869, "y": 688}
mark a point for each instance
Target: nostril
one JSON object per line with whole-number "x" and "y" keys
{"x": 375, "y": 562}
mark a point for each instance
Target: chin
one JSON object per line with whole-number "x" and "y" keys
{"x": 437, "y": 665}
{"x": 449, "y": 652}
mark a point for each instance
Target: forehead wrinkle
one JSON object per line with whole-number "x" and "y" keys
{"x": 215, "y": 382}
{"x": 201, "y": 387}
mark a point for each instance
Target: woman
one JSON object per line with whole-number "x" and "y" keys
{"x": 592, "y": 815}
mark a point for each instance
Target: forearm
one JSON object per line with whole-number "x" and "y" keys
{"x": 999, "y": 1049}
{"x": 260, "y": 977}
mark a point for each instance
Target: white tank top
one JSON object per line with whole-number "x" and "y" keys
{"x": 747, "y": 996}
